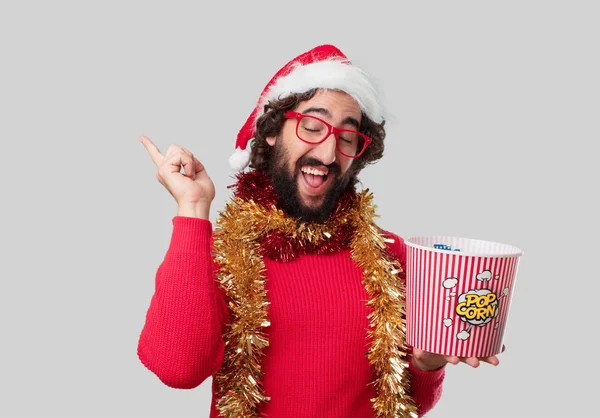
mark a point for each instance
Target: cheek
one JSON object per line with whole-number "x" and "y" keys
{"x": 345, "y": 163}
{"x": 296, "y": 148}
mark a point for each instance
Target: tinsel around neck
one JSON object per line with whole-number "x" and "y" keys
{"x": 287, "y": 244}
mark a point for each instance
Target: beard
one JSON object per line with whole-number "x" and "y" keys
{"x": 285, "y": 184}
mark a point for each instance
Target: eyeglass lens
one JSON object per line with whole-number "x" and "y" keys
{"x": 313, "y": 130}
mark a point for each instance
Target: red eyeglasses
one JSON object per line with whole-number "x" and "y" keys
{"x": 313, "y": 130}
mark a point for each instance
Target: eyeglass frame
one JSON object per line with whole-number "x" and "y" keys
{"x": 331, "y": 130}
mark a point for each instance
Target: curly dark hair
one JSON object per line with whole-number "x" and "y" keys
{"x": 271, "y": 123}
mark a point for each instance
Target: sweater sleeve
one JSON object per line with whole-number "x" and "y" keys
{"x": 181, "y": 341}
{"x": 426, "y": 387}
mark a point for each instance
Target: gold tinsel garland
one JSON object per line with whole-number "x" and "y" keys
{"x": 242, "y": 276}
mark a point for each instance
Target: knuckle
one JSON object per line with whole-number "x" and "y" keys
{"x": 174, "y": 148}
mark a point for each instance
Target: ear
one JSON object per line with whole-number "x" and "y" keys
{"x": 271, "y": 140}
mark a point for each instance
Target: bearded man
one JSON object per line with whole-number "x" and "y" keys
{"x": 295, "y": 304}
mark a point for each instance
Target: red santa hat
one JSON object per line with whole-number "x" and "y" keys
{"x": 324, "y": 66}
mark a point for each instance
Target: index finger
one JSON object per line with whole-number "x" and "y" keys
{"x": 152, "y": 149}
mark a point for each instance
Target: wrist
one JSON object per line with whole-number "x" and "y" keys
{"x": 194, "y": 211}
{"x": 425, "y": 367}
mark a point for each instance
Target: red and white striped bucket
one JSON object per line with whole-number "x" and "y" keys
{"x": 458, "y": 293}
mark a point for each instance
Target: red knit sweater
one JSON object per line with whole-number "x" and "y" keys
{"x": 315, "y": 365}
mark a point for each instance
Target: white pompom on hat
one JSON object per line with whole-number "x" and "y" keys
{"x": 324, "y": 66}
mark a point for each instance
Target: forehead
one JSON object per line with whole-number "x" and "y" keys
{"x": 337, "y": 102}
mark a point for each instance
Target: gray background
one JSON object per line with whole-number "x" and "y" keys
{"x": 493, "y": 113}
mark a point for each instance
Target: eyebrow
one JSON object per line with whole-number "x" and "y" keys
{"x": 320, "y": 110}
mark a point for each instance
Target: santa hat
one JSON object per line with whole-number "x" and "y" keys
{"x": 324, "y": 66}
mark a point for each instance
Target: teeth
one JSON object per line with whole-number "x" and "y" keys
{"x": 314, "y": 171}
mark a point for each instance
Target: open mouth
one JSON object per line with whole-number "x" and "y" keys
{"x": 313, "y": 177}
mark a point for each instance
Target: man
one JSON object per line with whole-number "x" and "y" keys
{"x": 295, "y": 305}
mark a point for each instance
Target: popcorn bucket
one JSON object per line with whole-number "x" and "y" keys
{"x": 458, "y": 293}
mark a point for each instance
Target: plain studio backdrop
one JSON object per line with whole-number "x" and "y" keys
{"x": 492, "y": 121}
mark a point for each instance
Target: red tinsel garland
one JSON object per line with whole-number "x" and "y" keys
{"x": 255, "y": 185}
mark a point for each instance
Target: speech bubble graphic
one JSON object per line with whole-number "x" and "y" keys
{"x": 447, "y": 322}
{"x": 484, "y": 276}
{"x": 450, "y": 282}
{"x": 463, "y": 335}
{"x": 477, "y": 307}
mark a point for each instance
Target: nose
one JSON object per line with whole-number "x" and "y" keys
{"x": 326, "y": 150}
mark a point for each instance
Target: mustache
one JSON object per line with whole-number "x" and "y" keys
{"x": 311, "y": 161}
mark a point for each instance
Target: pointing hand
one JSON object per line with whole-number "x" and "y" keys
{"x": 192, "y": 189}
